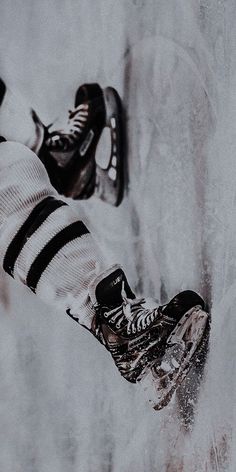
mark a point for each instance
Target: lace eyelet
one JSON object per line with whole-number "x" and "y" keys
{"x": 105, "y": 314}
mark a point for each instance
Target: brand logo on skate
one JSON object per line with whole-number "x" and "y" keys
{"x": 84, "y": 147}
{"x": 116, "y": 281}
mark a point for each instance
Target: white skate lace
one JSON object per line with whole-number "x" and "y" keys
{"x": 138, "y": 317}
{"x": 65, "y": 138}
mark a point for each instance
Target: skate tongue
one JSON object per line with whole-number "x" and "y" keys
{"x": 107, "y": 288}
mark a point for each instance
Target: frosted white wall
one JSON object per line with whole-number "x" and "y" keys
{"x": 62, "y": 404}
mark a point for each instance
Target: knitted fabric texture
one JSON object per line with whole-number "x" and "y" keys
{"x": 57, "y": 252}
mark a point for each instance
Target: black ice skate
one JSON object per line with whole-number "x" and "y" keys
{"x": 72, "y": 164}
{"x": 151, "y": 346}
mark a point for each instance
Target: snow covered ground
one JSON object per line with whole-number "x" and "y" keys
{"x": 63, "y": 406}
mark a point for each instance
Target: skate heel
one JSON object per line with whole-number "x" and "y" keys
{"x": 163, "y": 378}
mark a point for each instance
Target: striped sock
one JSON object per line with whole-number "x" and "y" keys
{"x": 42, "y": 242}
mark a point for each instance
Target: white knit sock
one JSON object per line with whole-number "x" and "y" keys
{"x": 57, "y": 257}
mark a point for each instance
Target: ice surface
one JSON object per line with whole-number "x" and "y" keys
{"x": 63, "y": 406}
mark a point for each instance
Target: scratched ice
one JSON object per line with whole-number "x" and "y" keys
{"x": 63, "y": 406}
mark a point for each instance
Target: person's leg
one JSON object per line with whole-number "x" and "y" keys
{"x": 68, "y": 147}
{"x": 46, "y": 247}
{"x": 62, "y": 274}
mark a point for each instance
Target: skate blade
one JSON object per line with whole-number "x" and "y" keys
{"x": 109, "y": 180}
{"x": 161, "y": 381}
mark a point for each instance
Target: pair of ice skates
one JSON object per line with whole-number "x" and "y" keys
{"x": 154, "y": 347}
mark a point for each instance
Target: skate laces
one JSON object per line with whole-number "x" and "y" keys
{"x": 66, "y": 137}
{"x": 138, "y": 317}
{"x": 77, "y": 117}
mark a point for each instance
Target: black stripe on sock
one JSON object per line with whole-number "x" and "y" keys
{"x": 73, "y": 231}
{"x": 33, "y": 222}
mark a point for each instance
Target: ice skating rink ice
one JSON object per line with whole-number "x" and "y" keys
{"x": 63, "y": 406}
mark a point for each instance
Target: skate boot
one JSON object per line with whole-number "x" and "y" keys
{"x": 151, "y": 346}
{"x": 72, "y": 147}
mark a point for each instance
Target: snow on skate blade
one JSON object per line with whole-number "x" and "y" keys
{"x": 162, "y": 379}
